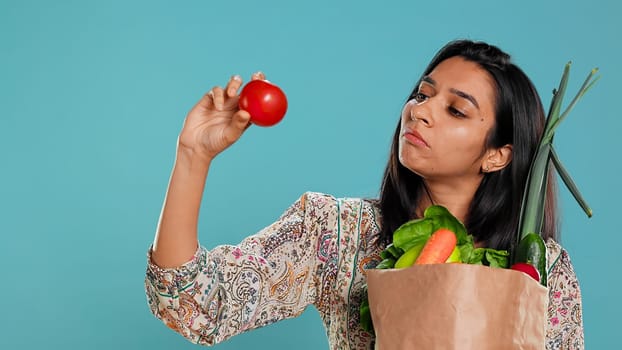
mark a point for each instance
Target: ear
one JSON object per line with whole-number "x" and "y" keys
{"x": 496, "y": 159}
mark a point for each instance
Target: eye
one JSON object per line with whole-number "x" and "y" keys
{"x": 455, "y": 112}
{"x": 419, "y": 97}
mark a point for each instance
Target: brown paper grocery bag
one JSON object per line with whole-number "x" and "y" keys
{"x": 456, "y": 306}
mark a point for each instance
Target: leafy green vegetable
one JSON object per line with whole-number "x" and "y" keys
{"x": 394, "y": 251}
{"x": 387, "y": 263}
{"x": 442, "y": 218}
{"x": 485, "y": 256}
{"x": 418, "y": 231}
{"x": 365, "y": 314}
{"x": 412, "y": 233}
{"x": 391, "y": 252}
{"x": 470, "y": 254}
{"x": 496, "y": 258}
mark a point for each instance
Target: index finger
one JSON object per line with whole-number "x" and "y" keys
{"x": 233, "y": 85}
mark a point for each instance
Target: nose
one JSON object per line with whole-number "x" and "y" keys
{"x": 419, "y": 112}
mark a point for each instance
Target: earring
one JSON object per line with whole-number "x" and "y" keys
{"x": 486, "y": 168}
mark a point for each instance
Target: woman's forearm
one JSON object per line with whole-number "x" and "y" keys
{"x": 176, "y": 236}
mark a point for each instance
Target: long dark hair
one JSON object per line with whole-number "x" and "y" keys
{"x": 519, "y": 120}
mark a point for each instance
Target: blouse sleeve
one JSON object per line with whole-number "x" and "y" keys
{"x": 565, "y": 323}
{"x": 269, "y": 276}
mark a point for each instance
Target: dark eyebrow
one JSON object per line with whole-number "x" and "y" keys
{"x": 465, "y": 96}
{"x": 459, "y": 93}
{"x": 428, "y": 80}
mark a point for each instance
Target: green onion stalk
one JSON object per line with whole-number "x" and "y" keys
{"x": 532, "y": 208}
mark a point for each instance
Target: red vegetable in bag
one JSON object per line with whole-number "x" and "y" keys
{"x": 528, "y": 269}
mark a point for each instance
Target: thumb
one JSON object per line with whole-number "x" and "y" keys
{"x": 238, "y": 124}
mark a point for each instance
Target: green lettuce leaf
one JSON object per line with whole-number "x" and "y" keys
{"x": 412, "y": 233}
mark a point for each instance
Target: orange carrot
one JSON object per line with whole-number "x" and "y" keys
{"x": 438, "y": 247}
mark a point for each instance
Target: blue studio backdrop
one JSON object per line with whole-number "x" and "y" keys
{"x": 93, "y": 95}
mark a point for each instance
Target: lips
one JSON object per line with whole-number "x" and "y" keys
{"x": 415, "y": 138}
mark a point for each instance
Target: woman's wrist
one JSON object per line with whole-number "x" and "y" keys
{"x": 191, "y": 159}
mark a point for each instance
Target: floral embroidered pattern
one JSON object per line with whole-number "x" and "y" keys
{"x": 565, "y": 325}
{"x": 316, "y": 253}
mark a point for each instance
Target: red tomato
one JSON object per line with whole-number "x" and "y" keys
{"x": 264, "y": 101}
{"x": 528, "y": 269}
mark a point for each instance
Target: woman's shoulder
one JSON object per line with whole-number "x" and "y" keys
{"x": 362, "y": 213}
{"x": 557, "y": 257}
{"x": 323, "y": 200}
{"x": 553, "y": 252}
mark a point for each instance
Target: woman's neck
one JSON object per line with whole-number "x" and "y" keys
{"x": 455, "y": 196}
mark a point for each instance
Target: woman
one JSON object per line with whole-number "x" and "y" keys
{"x": 464, "y": 140}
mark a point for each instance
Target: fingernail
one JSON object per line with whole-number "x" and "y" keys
{"x": 237, "y": 77}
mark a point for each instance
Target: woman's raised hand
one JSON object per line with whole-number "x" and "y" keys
{"x": 216, "y": 121}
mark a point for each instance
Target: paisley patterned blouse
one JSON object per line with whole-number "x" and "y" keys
{"x": 315, "y": 254}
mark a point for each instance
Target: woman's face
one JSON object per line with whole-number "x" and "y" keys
{"x": 444, "y": 128}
